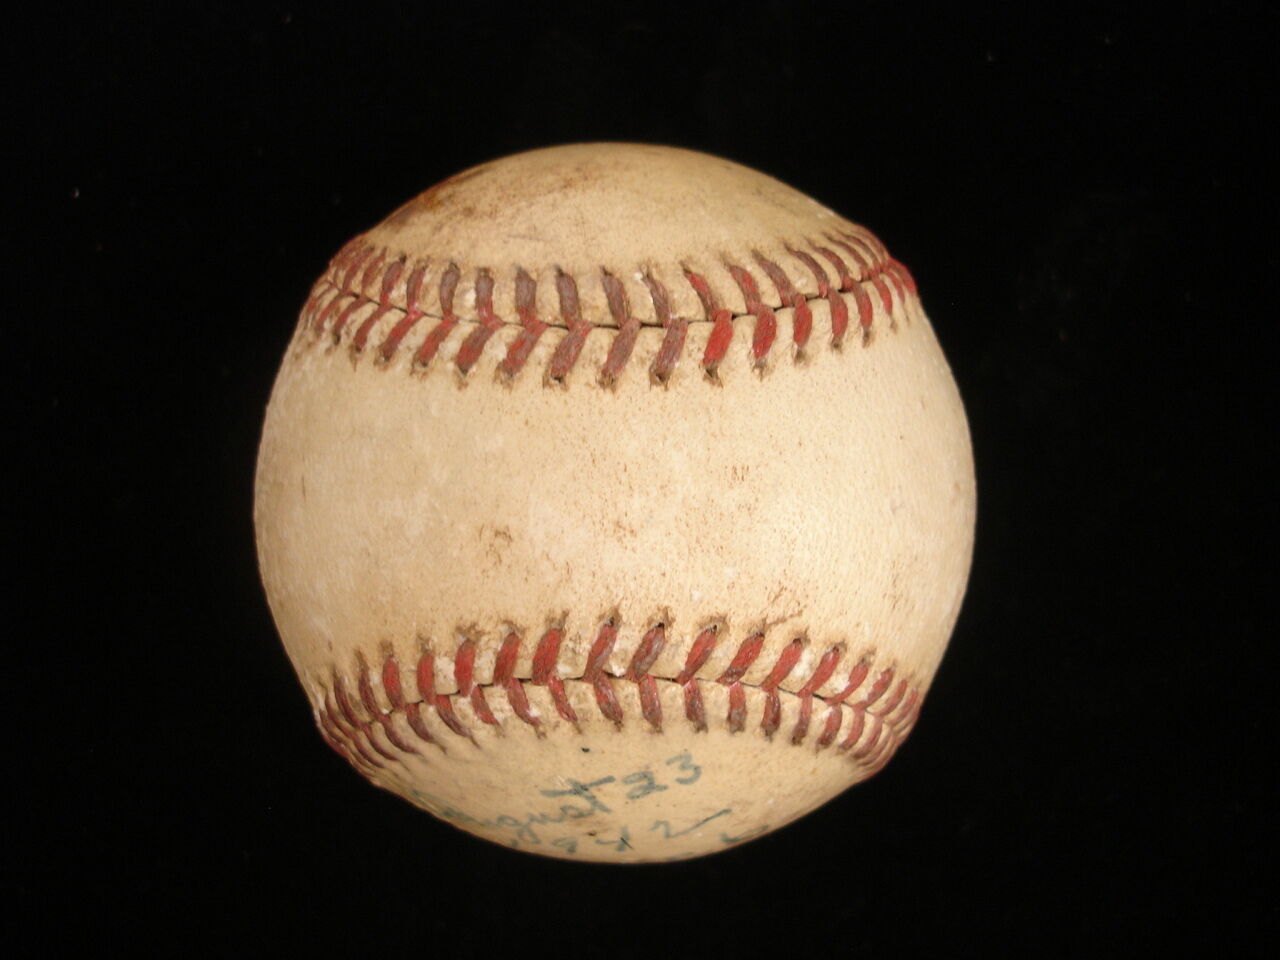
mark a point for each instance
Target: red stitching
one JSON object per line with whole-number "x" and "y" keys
{"x": 721, "y": 322}
{"x": 698, "y": 655}
{"x": 628, "y": 328}
{"x": 901, "y": 270}
{"x": 544, "y": 672}
{"x": 802, "y": 320}
{"x": 367, "y": 279}
{"x": 839, "y": 310}
{"x": 566, "y": 353}
{"x": 886, "y": 299}
{"x": 363, "y": 276}
{"x": 526, "y": 309}
{"x": 648, "y": 651}
{"x": 464, "y": 663}
{"x": 742, "y": 661}
{"x": 414, "y": 714}
{"x": 676, "y": 327}
{"x": 864, "y": 312}
{"x": 350, "y": 258}
{"x": 390, "y": 277}
{"x": 366, "y": 730}
{"x": 490, "y": 323}
{"x": 448, "y": 286}
{"x": 411, "y": 316}
{"x": 766, "y": 323}
{"x": 847, "y": 245}
{"x": 847, "y": 282}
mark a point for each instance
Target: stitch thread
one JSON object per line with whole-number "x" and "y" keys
{"x": 371, "y": 732}
{"x": 363, "y": 275}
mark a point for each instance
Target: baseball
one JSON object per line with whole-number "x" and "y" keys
{"x": 615, "y": 502}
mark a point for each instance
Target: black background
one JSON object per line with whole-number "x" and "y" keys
{"x": 1085, "y": 200}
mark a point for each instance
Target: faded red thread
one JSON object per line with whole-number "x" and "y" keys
{"x": 872, "y": 242}
{"x": 737, "y": 718}
{"x": 344, "y": 703}
{"x": 910, "y": 710}
{"x": 363, "y": 730}
{"x": 628, "y": 328}
{"x": 413, "y": 713}
{"x": 650, "y": 701}
{"x": 839, "y": 317}
{"x": 856, "y": 676}
{"x": 531, "y": 327}
{"x": 393, "y": 735}
{"x": 448, "y": 287}
{"x": 824, "y": 285}
{"x": 801, "y": 729}
{"x": 353, "y": 264}
{"x": 875, "y": 742}
{"x": 694, "y": 709}
{"x": 444, "y": 707}
{"x": 365, "y": 688}
{"x": 566, "y": 352}
{"x": 464, "y": 664}
{"x": 771, "y": 718}
{"x": 893, "y": 278}
{"x": 504, "y": 676}
{"x": 862, "y": 262}
{"x": 391, "y": 681}
{"x": 364, "y": 685}
{"x": 802, "y": 319}
{"x": 601, "y": 650}
{"x": 440, "y": 702}
{"x": 698, "y": 654}
{"x": 390, "y": 277}
{"x": 359, "y": 748}
{"x": 413, "y": 287}
{"x": 886, "y": 299}
{"x": 426, "y": 678}
{"x": 743, "y": 659}
{"x": 839, "y": 310}
{"x": 362, "y": 276}
{"x": 676, "y": 327}
{"x": 544, "y": 672}
{"x": 787, "y": 661}
{"x": 822, "y": 673}
{"x": 864, "y": 310}
{"x": 480, "y": 705}
{"x": 855, "y": 729}
{"x": 332, "y": 736}
{"x": 595, "y": 674}
{"x": 766, "y": 323}
{"x": 546, "y": 656}
{"x": 362, "y": 298}
{"x": 721, "y": 322}
{"x": 878, "y": 688}
{"x": 900, "y": 268}
{"x": 357, "y": 726}
{"x": 847, "y": 282}
{"x": 648, "y": 651}
{"x": 899, "y": 693}
{"x": 473, "y": 346}
{"x": 830, "y": 727}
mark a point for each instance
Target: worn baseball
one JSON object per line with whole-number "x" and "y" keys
{"x": 615, "y": 502}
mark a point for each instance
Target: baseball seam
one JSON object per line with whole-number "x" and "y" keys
{"x": 364, "y": 276}
{"x": 371, "y": 720}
